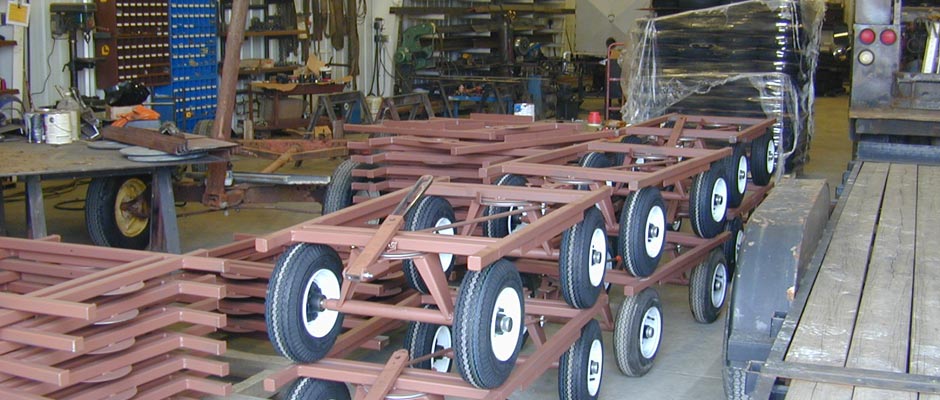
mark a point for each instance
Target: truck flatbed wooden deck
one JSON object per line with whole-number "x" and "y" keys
{"x": 865, "y": 323}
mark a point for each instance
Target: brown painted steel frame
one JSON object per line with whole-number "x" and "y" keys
{"x": 432, "y": 384}
{"x": 733, "y": 130}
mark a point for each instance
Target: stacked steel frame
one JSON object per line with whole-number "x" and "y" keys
{"x": 84, "y": 322}
{"x": 402, "y": 151}
{"x": 247, "y": 284}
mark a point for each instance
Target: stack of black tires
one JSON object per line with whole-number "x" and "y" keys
{"x": 748, "y": 59}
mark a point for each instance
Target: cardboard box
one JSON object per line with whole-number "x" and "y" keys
{"x": 288, "y": 108}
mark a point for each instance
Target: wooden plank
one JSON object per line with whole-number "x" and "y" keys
{"x": 882, "y": 330}
{"x": 825, "y": 329}
{"x": 925, "y": 320}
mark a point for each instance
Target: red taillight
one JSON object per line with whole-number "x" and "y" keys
{"x": 888, "y": 37}
{"x": 867, "y": 36}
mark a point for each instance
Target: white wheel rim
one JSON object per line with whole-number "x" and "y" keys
{"x": 719, "y": 284}
{"x": 742, "y": 174}
{"x": 595, "y": 367}
{"x": 650, "y": 331}
{"x": 442, "y": 340}
{"x": 597, "y": 257}
{"x": 655, "y": 231}
{"x": 772, "y": 156}
{"x": 325, "y": 320}
{"x": 719, "y": 205}
{"x": 513, "y": 224}
{"x": 738, "y": 241}
{"x": 505, "y": 324}
{"x": 446, "y": 258}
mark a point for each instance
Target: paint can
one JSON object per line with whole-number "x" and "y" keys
{"x": 35, "y": 127}
{"x": 58, "y": 126}
{"x": 326, "y": 75}
{"x": 375, "y": 105}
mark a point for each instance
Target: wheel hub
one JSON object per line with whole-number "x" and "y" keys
{"x": 719, "y": 282}
{"x": 655, "y": 226}
{"x": 505, "y": 326}
{"x": 652, "y": 233}
{"x": 742, "y": 174}
{"x": 597, "y": 257}
{"x": 650, "y": 332}
{"x": 595, "y": 367}
{"x": 321, "y": 286}
{"x": 771, "y": 156}
{"x": 719, "y": 195}
{"x": 131, "y": 208}
{"x": 314, "y": 304}
{"x": 503, "y": 323}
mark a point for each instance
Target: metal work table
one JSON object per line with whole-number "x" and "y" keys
{"x": 34, "y": 162}
{"x": 295, "y": 89}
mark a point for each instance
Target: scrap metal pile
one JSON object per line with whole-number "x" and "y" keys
{"x": 491, "y": 264}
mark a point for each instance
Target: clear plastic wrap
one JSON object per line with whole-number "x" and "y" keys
{"x": 748, "y": 59}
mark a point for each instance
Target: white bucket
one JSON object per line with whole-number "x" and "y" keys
{"x": 58, "y": 126}
{"x": 375, "y": 105}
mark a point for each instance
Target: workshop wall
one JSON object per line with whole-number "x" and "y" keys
{"x": 40, "y": 49}
{"x": 11, "y": 58}
{"x": 619, "y": 18}
{"x": 378, "y": 9}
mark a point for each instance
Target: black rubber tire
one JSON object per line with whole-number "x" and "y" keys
{"x": 310, "y": 388}
{"x": 734, "y": 380}
{"x": 618, "y": 158}
{"x": 285, "y": 305}
{"x": 100, "y": 204}
{"x": 580, "y": 370}
{"x": 732, "y": 246}
{"x": 708, "y": 287}
{"x": 593, "y": 160}
{"x": 638, "y": 316}
{"x": 583, "y": 247}
{"x": 737, "y": 168}
{"x": 420, "y": 341}
{"x": 339, "y": 192}
{"x": 500, "y": 227}
{"x": 476, "y": 359}
{"x": 428, "y": 212}
{"x": 762, "y": 154}
{"x": 635, "y": 231}
{"x": 709, "y": 189}
{"x": 203, "y": 127}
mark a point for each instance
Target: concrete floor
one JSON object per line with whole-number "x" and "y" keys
{"x": 688, "y": 366}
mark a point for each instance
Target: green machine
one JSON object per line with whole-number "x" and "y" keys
{"x": 411, "y": 55}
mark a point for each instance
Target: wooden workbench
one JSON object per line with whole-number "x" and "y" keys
{"x": 34, "y": 162}
{"x": 866, "y": 322}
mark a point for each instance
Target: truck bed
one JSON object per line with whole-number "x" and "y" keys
{"x": 865, "y": 323}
